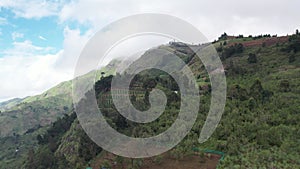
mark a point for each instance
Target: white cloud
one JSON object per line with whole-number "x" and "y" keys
{"x": 74, "y": 42}
{"x": 32, "y": 8}
{"x": 28, "y": 75}
{"x": 211, "y": 17}
{"x": 16, "y": 35}
{"x": 42, "y": 38}
{"x": 25, "y": 48}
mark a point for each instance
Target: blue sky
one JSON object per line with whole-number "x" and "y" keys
{"x": 36, "y": 46}
{"x": 44, "y": 32}
{"x": 40, "y": 40}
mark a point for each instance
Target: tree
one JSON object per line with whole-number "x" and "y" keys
{"x": 52, "y": 144}
{"x": 251, "y": 103}
{"x": 237, "y": 92}
{"x": 239, "y": 48}
{"x": 45, "y": 159}
{"x": 219, "y": 49}
{"x": 30, "y": 159}
{"x": 256, "y": 90}
{"x": 231, "y": 50}
{"x": 292, "y": 58}
{"x": 149, "y": 83}
{"x": 252, "y": 58}
{"x": 297, "y": 32}
{"x": 40, "y": 139}
{"x": 102, "y": 75}
{"x": 223, "y": 36}
{"x": 284, "y": 86}
{"x": 87, "y": 148}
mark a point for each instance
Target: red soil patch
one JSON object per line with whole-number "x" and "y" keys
{"x": 188, "y": 162}
{"x": 268, "y": 41}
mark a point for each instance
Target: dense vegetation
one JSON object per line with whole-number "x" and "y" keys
{"x": 51, "y": 153}
{"x": 259, "y": 128}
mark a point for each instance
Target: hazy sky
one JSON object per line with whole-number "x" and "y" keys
{"x": 40, "y": 40}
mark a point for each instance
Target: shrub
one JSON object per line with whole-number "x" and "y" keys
{"x": 252, "y": 58}
{"x": 284, "y": 86}
{"x": 292, "y": 58}
{"x": 235, "y": 49}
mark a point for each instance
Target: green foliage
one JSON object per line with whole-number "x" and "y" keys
{"x": 47, "y": 155}
{"x": 120, "y": 160}
{"x": 87, "y": 148}
{"x": 292, "y": 58}
{"x": 252, "y": 58}
{"x": 251, "y": 103}
{"x": 231, "y": 50}
{"x": 158, "y": 159}
{"x": 284, "y": 86}
{"x": 223, "y": 36}
{"x": 293, "y": 45}
{"x": 44, "y": 158}
{"x": 106, "y": 164}
{"x": 219, "y": 49}
{"x": 56, "y": 131}
{"x": 237, "y": 92}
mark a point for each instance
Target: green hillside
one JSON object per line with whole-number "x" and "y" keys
{"x": 20, "y": 115}
{"x": 259, "y": 128}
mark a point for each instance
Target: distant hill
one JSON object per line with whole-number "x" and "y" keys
{"x": 10, "y": 103}
{"x": 20, "y": 115}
